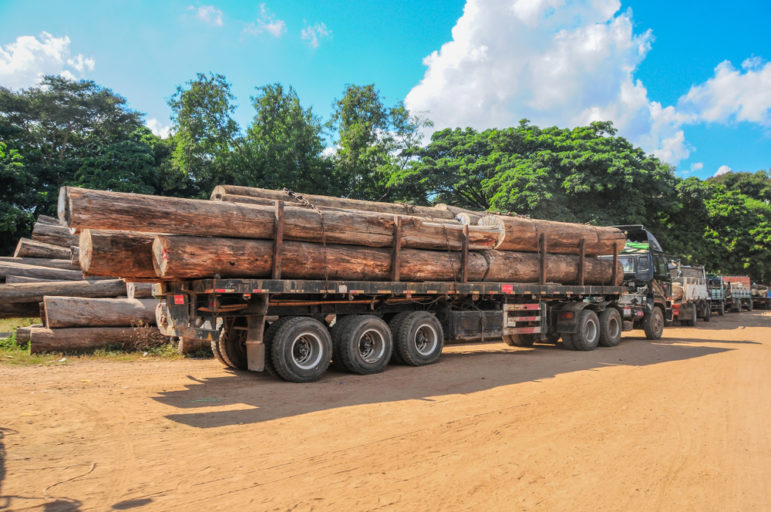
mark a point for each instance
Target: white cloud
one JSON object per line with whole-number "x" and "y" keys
{"x": 161, "y": 130}
{"x": 313, "y": 33}
{"x": 724, "y": 169}
{"x": 267, "y": 22}
{"x": 732, "y": 95}
{"x": 24, "y": 62}
{"x": 208, "y": 14}
{"x": 697, "y": 166}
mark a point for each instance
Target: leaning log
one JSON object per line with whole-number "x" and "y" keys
{"x": 320, "y": 201}
{"x": 519, "y": 233}
{"x": 8, "y": 268}
{"x": 20, "y": 310}
{"x": 41, "y": 262}
{"x": 90, "y": 312}
{"x": 10, "y": 279}
{"x": 82, "y": 208}
{"x": 139, "y": 290}
{"x": 27, "y": 248}
{"x": 182, "y": 257}
{"x": 34, "y": 292}
{"x": 42, "y": 339}
{"x": 116, "y": 253}
{"x": 53, "y": 234}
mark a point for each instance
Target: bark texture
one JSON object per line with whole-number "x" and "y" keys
{"x": 91, "y": 312}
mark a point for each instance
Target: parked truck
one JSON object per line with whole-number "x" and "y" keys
{"x": 761, "y": 296}
{"x": 739, "y": 294}
{"x": 294, "y": 327}
{"x": 717, "y": 292}
{"x": 690, "y": 296}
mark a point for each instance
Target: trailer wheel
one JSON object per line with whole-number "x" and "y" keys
{"x": 749, "y": 305}
{"x": 301, "y": 349}
{"x": 395, "y": 324}
{"x": 653, "y": 324}
{"x": 690, "y": 319}
{"x": 610, "y": 327}
{"x": 267, "y": 340}
{"x": 721, "y": 308}
{"x": 215, "y": 349}
{"x": 588, "y": 335}
{"x": 232, "y": 344}
{"x": 420, "y": 339}
{"x": 707, "y": 312}
{"x": 567, "y": 341}
{"x": 362, "y": 343}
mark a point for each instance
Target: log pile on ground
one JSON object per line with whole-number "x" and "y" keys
{"x": 244, "y": 232}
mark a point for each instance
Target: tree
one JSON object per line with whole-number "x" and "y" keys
{"x": 15, "y": 220}
{"x": 756, "y": 185}
{"x": 206, "y": 137}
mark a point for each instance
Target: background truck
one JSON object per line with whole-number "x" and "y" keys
{"x": 717, "y": 292}
{"x": 761, "y": 296}
{"x": 690, "y": 296}
{"x": 738, "y": 295}
{"x": 294, "y": 327}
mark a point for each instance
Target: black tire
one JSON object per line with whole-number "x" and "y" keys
{"x": 588, "y": 335}
{"x": 552, "y": 338}
{"x": 653, "y": 324}
{"x": 362, "y": 343}
{"x": 749, "y": 306}
{"x": 215, "y": 349}
{"x": 567, "y": 341}
{"x": 301, "y": 349}
{"x": 707, "y": 312}
{"x": 611, "y": 327}
{"x": 267, "y": 339}
{"x": 420, "y": 339}
{"x": 232, "y": 343}
{"x": 520, "y": 340}
{"x": 721, "y": 308}
{"x": 690, "y": 319}
{"x": 395, "y": 324}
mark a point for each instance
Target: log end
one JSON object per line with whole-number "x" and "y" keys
{"x": 85, "y": 251}
{"x": 63, "y": 207}
{"x": 495, "y": 221}
{"x": 217, "y": 193}
{"x": 160, "y": 255}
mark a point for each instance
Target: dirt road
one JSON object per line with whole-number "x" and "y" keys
{"x": 681, "y": 424}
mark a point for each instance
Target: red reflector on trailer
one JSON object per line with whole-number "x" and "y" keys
{"x": 567, "y": 315}
{"x": 220, "y": 290}
{"x": 179, "y": 299}
{"x": 507, "y": 288}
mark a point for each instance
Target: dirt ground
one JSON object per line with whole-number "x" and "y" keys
{"x": 681, "y": 424}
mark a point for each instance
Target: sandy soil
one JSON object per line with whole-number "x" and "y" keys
{"x": 681, "y": 424}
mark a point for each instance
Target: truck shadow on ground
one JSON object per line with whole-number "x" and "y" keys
{"x": 463, "y": 369}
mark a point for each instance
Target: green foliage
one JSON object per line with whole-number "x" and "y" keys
{"x": 756, "y": 185}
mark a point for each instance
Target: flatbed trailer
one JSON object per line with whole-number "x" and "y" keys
{"x": 293, "y": 328}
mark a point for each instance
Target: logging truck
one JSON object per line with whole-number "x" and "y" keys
{"x": 691, "y": 298}
{"x": 293, "y": 328}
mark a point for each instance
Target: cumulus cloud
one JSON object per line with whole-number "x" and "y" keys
{"x": 312, "y": 34}
{"x": 208, "y": 14}
{"x": 267, "y": 22}
{"x": 697, "y": 166}
{"x": 161, "y": 130}
{"x": 724, "y": 169}
{"x": 24, "y": 62}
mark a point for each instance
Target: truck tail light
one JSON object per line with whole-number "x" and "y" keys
{"x": 567, "y": 315}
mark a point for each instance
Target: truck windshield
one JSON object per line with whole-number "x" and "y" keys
{"x": 628, "y": 264}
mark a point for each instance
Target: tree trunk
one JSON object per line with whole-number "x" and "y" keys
{"x": 83, "y": 208}
{"x": 116, "y": 253}
{"x": 522, "y": 234}
{"x": 90, "y": 312}
{"x": 53, "y": 234}
{"x": 21, "y": 310}
{"x": 10, "y": 279}
{"x": 8, "y": 268}
{"x": 227, "y": 191}
{"x": 139, "y": 290}
{"x": 42, "y": 339}
{"x": 27, "y": 248}
{"x": 34, "y": 292}
{"x": 40, "y": 262}
{"x": 181, "y": 257}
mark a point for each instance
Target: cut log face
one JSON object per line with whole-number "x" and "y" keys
{"x": 320, "y": 201}
{"x": 27, "y": 248}
{"x": 34, "y": 292}
{"x": 53, "y": 234}
{"x": 42, "y": 339}
{"x": 116, "y": 253}
{"x": 89, "y": 312}
{"x": 9, "y": 268}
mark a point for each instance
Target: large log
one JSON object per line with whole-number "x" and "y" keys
{"x": 139, "y": 290}
{"x": 223, "y": 191}
{"x": 82, "y": 208}
{"x": 41, "y": 262}
{"x": 22, "y": 310}
{"x": 9, "y": 268}
{"x": 183, "y": 257}
{"x": 116, "y": 253}
{"x": 462, "y": 215}
{"x": 27, "y": 248}
{"x": 10, "y": 279}
{"x": 34, "y": 292}
{"x": 53, "y": 234}
{"x": 45, "y": 219}
{"x": 42, "y": 339}
{"x": 89, "y": 312}
{"x": 522, "y": 234}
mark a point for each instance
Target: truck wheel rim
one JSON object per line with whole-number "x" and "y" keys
{"x": 306, "y": 351}
{"x": 371, "y": 346}
{"x": 591, "y": 331}
{"x": 426, "y": 340}
{"x": 658, "y": 322}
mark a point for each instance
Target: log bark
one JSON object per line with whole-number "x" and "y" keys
{"x": 8, "y": 268}
{"x": 21, "y": 310}
{"x": 34, "y": 292}
{"x": 463, "y": 215}
{"x": 522, "y": 234}
{"x": 42, "y": 339}
{"x": 27, "y": 248}
{"x": 41, "y": 262}
{"x": 320, "y": 201}
{"x": 75, "y": 255}
{"x": 45, "y": 219}
{"x": 82, "y": 208}
{"x": 183, "y": 257}
{"x": 139, "y": 290}
{"x": 116, "y": 253}
{"x": 24, "y": 279}
{"x": 89, "y": 312}
{"x": 53, "y": 234}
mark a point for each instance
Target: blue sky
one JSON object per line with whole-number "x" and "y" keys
{"x": 690, "y": 84}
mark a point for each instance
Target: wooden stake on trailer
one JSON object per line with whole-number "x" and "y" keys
{"x": 542, "y": 259}
{"x": 464, "y": 256}
{"x": 397, "y": 249}
{"x": 581, "y": 257}
{"x": 615, "y": 263}
{"x": 279, "y": 240}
